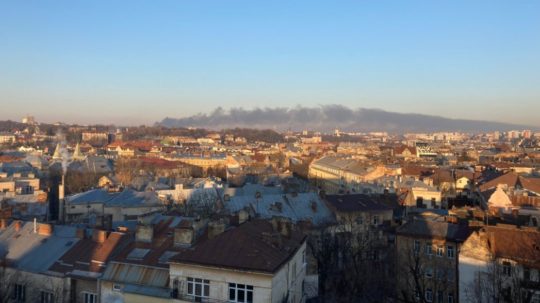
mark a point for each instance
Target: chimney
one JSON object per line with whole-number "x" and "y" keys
{"x": 17, "y": 225}
{"x": 183, "y": 236}
{"x": 144, "y": 233}
{"x": 243, "y": 216}
{"x": 3, "y": 224}
{"x": 215, "y": 228}
{"x": 285, "y": 229}
{"x": 282, "y": 226}
{"x": 61, "y": 200}
{"x": 99, "y": 235}
{"x": 61, "y": 189}
{"x": 45, "y": 229}
{"x": 515, "y": 213}
{"x": 80, "y": 233}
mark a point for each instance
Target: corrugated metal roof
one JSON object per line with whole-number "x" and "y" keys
{"x": 136, "y": 274}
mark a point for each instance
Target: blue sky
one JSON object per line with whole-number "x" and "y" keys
{"x": 136, "y": 62}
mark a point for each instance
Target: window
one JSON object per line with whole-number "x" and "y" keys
{"x": 507, "y": 268}
{"x": 375, "y": 220}
{"x": 440, "y": 251}
{"x": 429, "y": 272}
{"x": 450, "y": 251}
{"x": 117, "y": 287}
{"x": 198, "y": 288}
{"x": 450, "y": 274}
{"x": 89, "y": 297}
{"x": 526, "y": 274}
{"x": 429, "y": 250}
{"x": 46, "y": 297}
{"x": 376, "y": 255}
{"x": 440, "y": 297}
{"x": 19, "y": 293}
{"x": 240, "y": 293}
{"x": 450, "y": 298}
{"x": 439, "y": 272}
{"x": 416, "y": 246}
{"x": 429, "y": 295}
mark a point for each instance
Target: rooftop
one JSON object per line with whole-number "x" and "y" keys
{"x": 252, "y": 246}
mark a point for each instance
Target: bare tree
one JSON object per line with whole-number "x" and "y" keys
{"x": 9, "y": 280}
{"x": 502, "y": 281}
{"x": 423, "y": 277}
{"x": 352, "y": 263}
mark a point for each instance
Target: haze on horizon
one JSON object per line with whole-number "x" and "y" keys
{"x": 133, "y": 63}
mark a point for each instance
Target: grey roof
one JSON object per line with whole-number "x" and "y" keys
{"x": 356, "y": 203}
{"x": 131, "y": 198}
{"x": 434, "y": 229}
{"x": 91, "y": 196}
{"x": 127, "y": 198}
{"x": 303, "y": 206}
{"x": 33, "y": 252}
{"x": 16, "y": 167}
{"x": 251, "y": 189}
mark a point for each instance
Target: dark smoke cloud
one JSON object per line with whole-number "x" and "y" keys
{"x": 329, "y": 117}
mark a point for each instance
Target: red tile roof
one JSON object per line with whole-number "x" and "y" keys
{"x": 88, "y": 255}
{"x": 517, "y": 244}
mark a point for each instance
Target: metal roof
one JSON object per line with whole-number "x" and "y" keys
{"x": 302, "y": 206}
{"x": 136, "y": 274}
{"x": 33, "y": 252}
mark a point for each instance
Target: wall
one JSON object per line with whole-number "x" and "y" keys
{"x": 220, "y": 279}
{"x": 86, "y": 286}
{"x": 285, "y": 280}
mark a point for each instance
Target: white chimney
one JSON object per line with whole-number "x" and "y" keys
{"x": 61, "y": 189}
{"x": 61, "y": 200}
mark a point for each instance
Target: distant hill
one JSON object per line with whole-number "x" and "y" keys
{"x": 329, "y": 117}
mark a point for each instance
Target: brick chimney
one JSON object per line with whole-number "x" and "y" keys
{"x": 99, "y": 235}
{"x": 17, "y": 225}
{"x": 80, "y": 233}
{"x": 3, "y": 224}
{"x": 45, "y": 229}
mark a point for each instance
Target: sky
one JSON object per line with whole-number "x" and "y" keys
{"x": 137, "y": 62}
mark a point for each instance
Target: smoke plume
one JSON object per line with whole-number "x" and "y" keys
{"x": 61, "y": 139}
{"x": 329, "y": 117}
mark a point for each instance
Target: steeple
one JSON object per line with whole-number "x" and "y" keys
{"x": 57, "y": 155}
{"x": 77, "y": 155}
